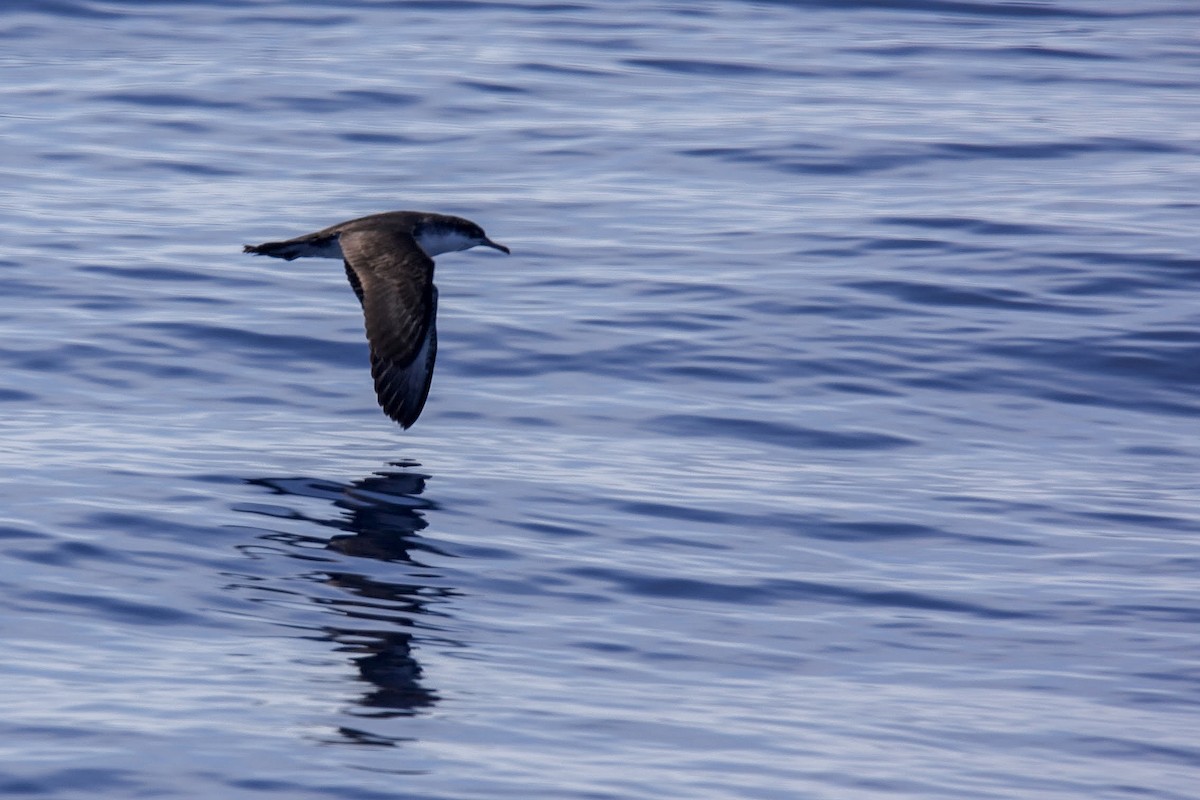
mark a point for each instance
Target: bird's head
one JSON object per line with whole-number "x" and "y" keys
{"x": 441, "y": 233}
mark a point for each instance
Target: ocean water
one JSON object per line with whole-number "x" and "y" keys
{"x": 831, "y": 431}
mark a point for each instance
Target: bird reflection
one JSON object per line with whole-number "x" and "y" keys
{"x": 380, "y": 517}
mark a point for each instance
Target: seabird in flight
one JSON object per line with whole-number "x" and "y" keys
{"x": 389, "y": 261}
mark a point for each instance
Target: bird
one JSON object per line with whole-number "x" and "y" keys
{"x": 389, "y": 262}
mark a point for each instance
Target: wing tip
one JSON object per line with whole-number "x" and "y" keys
{"x": 399, "y": 410}
{"x": 402, "y": 408}
{"x": 398, "y": 415}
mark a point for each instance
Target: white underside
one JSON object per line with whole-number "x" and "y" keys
{"x": 432, "y": 244}
{"x": 331, "y": 249}
{"x": 418, "y": 373}
{"x": 412, "y": 382}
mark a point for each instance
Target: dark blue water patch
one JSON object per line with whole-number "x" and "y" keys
{"x": 142, "y": 525}
{"x": 340, "y": 102}
{"x": 53, "y": 783}
{"x": 260, "y": 401}
{"x": 499, "y": 5}
{"x": 68, "y": 553}
{"x": 1184, "y": 687}
{"x": 728, "y": 370}
{"x": 971, "y": 224}
{"x": 1041, "y": 51}
{"x": 682, "y": 513}
{"x": 12, "y": 533}
{"x": 1128, "y": 520}
{"x": 1126, "y": 614}
{"x": 986, "y": 8}
{"x": 15, "y": 287}
{"x": 864, "y": 389}
{"x": 1122, "y": 373}
{"x": 376, "y": 97}
{"x": 572, "y": 70}
{"x": 1056, "y": 385}
{"x": 1109, "y": 286}
{"x": 940, "y": 51}
{"x": 154, "y": 347}
{"x": 1137, "y": 751}
{"x": 809, "y": 159}
{"x": 60, "y": 8}
{"x": 1156, "y": 451}
{"x": 169, "y": 100}
{"x": 182, "y": 126}
{"x": 989, "y": 506}
{"x": 128, "y": 301}
{"x": 21, "y": 32}
{"x": 871, "y": 531}
{"x": 278, "y": 348}
{"x": 1081, "y": 397}
{"x": 576, "y": 283}
{"x": 58, "y": 243}
{"x": 490, "y": 87}
{"x": 659, "y": 360}
{"x": 115, "y": 609}
{"x": 1167, "y": 336}
{"x": 715, "y": 69}
{"x": 772, "y": 591}
{"x": 706, "y": 292}
{"x": 1048, "y": 149}
{"x": 779, "y": 306}
{"x": 165, "y": 274}
{"x": 310, "y": 18}
{"x": 882, "y": 244}
{"x": 837, "y": 310}
{"x": 189, "y": 168}
{"x": 59, "y": 358}
{"x": 809, "y": 526}
{"x": 663, "y": 543}
{"x": 160, "y": 370}
{"x": 773, "y": 433}
{"x": 64, "y": 156}
{"x": 1122, "y": 82}
{"x": 333, "y": 791}
{"x": 938, "y": 295}
{"x": 266, "y": 510}
{"x": 15, "y": 396}
{"x": 1168, "y": 266}
{"x": 363, "y": 137}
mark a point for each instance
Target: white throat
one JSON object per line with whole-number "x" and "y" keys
{"x": 435, "y": 241}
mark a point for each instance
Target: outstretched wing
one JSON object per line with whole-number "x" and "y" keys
{"x": 399, "y": 304}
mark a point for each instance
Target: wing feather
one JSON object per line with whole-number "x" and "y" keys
{"x": 399, "y": 304}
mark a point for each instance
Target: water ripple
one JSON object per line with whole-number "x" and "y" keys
{"x": 773, "y": 433}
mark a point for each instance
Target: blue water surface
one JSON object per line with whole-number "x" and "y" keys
{"x": 830, "y": 433}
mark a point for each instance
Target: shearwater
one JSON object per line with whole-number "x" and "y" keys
{"x": 389, "y": 261}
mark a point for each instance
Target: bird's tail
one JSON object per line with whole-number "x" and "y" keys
{"x": 300, "y": 247}
{"x": 286, "y": 250}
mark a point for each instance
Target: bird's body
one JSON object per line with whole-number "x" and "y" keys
{"x": 389, "y": 261}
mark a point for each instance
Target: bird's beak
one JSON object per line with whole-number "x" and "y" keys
{"x": 490, "y": 243}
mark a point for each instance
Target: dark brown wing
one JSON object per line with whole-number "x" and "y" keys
{"x": 399, "y": 304}
{"x": 355, "y": 284}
